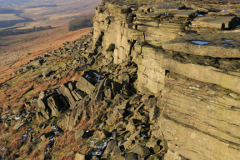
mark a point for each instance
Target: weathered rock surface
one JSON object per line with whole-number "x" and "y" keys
{"x": 84, "y": 85}
{"x": 46, "y": 72}
{"x": 204, "y": 74}
{"x": 210, "y": 121}
{"x": 143, "y": 152}
{"x": 50, "y": 103}
{"x": 79, "y": 134}
{"x": 67, "y": 94}
{"x": 219, "y": 22}
{"x": 206, "y": 45}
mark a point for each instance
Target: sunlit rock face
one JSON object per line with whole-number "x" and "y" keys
{"x": 187, "y": 56}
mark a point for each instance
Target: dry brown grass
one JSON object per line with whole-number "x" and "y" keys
{"x": 65, "y": 145}
{"x": 2, "y": 129}
{"x": 12, "y": 156}
{"x": 64, "y": 140}
{"x": 67, "y": 156}
{"x": 37, "y": 43}
{"x": 21, "y": 130}
{"x": 38, "y": 153}
{"x": 73, "y": 76}
{"x": 83, "y": 124}
{"x": 16, "y": 142}
{"x": 20, "y": 84}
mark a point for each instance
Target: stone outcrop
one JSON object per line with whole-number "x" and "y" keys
{"x": 151, "y": 80}
{"x": 190, "y": 57}
{"x": 215, "y": 21}
{"x": 49, "y": 104}
{"x": 84, "y": 85}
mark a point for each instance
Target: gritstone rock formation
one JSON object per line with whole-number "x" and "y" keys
{"x": 152, "y": 80}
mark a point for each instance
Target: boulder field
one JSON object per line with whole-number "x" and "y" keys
{"x": 152, "y": 80}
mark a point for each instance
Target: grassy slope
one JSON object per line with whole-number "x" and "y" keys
{"x": 37, "y": 43}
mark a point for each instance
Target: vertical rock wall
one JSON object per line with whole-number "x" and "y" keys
{"x": 110, "y": 24}
{"x": 135, "y": 36}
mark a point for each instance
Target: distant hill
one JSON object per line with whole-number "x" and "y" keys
{"x": 23, "y": 31}
{"x": 56, "y": 13}
{"x": 81, "y": 22}
{"x": 6, "y": 10}
{"x": 39, "y": 6}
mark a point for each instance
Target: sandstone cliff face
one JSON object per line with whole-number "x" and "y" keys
{"x": 111, "y": 25}
{"x": 191, "y": 58}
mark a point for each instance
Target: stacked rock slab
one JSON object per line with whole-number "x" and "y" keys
{"x": 190, "y": 56}
{"x": 199, "y": 118}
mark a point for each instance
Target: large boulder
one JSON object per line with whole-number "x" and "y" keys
{"x": 55, "y": 104}
{"x": 46, "y": 72}
{"x": 111, "y": 120}
{"x": 110, "y": 147}
{"x": 43, "y": 108}
{"x": 50, "y": 103}
{"x": 76, "y": 113}
{"x": 79, "y": 134}
{"x": 84, "y": 85}
{"x": 131, "y": 156}
{"x": 66, "y": 93}
{"x": 143, "y": 152}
